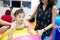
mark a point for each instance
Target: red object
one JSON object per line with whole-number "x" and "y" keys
{"x": 1, "y": 33}
{"x": 7, "y": 18}
{"x": 56, "y": 26}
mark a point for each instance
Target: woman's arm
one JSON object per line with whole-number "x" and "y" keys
{"x": 26, "y": 25}
{"x": 4, "y": 23}
{"x": 35, "y": 10}
{"x": 54, "y": 11}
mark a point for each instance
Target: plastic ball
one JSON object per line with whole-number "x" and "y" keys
{"x": 57, "y": 20}
{"x": 21, "y": 35}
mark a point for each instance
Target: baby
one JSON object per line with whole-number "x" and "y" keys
{"x": 19, "y": 23}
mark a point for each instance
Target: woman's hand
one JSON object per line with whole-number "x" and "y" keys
{"x": 4, "y": 28}
{"x": 40, "y": 32}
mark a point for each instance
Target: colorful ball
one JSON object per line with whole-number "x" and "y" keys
{"x": 57, "y": 20}
{"x": 21, "y": 34}
{"x": 28, "y": 37}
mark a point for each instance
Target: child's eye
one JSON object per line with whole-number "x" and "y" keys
{"x": 23, "y": 17}
{"x": 19, "y": 17}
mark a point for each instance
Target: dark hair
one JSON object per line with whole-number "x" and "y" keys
{"x": 59, "y": 9}
{"x": 32, "y": 20}
{"x": 8, "y": 12}
{"x": 11, "y": 7}
{"x": 50, "y": 3}
{"x": 18, "y": 12}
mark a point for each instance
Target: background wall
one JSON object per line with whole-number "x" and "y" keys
{"x": 34, "y": 3}
{"x": 28, "y": 11}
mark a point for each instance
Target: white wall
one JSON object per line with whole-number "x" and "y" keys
{"x": 58, "y": 4}
{"x": 27, "y": 11}
{"x": 20, "y": 0}
{"x": 34, "y": 4}
{"x": 2, "y": 11}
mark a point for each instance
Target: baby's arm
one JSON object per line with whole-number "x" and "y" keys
{"x": 10, "y": 34}
{"x": 10, "y": 31}
{"x": 12, "y": 27}
{"x": 28, "y": 28}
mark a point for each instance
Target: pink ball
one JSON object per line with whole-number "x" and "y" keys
{"x": 29, "y": 37}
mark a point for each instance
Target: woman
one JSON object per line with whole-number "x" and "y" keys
{"x": 11, "y": 8}
{"x": 59, "y": 11}
{"x": 4, "y": 28}
{"x": 7, "y": 17}
{"x": 46, "y": 13}
{"x": 4, "y": 23}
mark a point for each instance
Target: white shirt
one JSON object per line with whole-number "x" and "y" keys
{"x": 16, "y": 25}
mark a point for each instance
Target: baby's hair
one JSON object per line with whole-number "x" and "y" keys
{"x": 18, "y": 12}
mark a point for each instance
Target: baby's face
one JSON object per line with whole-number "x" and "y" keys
{"x": 20, "y": 18}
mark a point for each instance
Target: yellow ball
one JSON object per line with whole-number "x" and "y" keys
{"x": 0, "y": 36}
{"x": 17, "y": 33}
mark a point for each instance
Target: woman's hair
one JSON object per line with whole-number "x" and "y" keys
{"x": 59, "y": 11}
{"x": 8, "y": 12}
{"x": 50, "y": 3}
{"x": 18, "y": 12}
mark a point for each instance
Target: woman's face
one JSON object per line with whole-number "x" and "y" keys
{"x": 44, "y": 1}
{"x": 19, "y": 18}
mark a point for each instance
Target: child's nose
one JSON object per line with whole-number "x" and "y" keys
{"x": 21, "y": 18}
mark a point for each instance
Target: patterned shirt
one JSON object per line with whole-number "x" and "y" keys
{"x": 43, "y": 18}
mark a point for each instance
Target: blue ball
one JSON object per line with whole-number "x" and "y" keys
{"x": 57, "y": 20}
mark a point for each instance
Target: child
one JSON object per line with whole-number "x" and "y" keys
{"x": 19, "y": 23}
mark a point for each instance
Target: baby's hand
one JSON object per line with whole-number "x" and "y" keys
{"x": 10, "y": 38}
{"x": 30, "y": 32}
